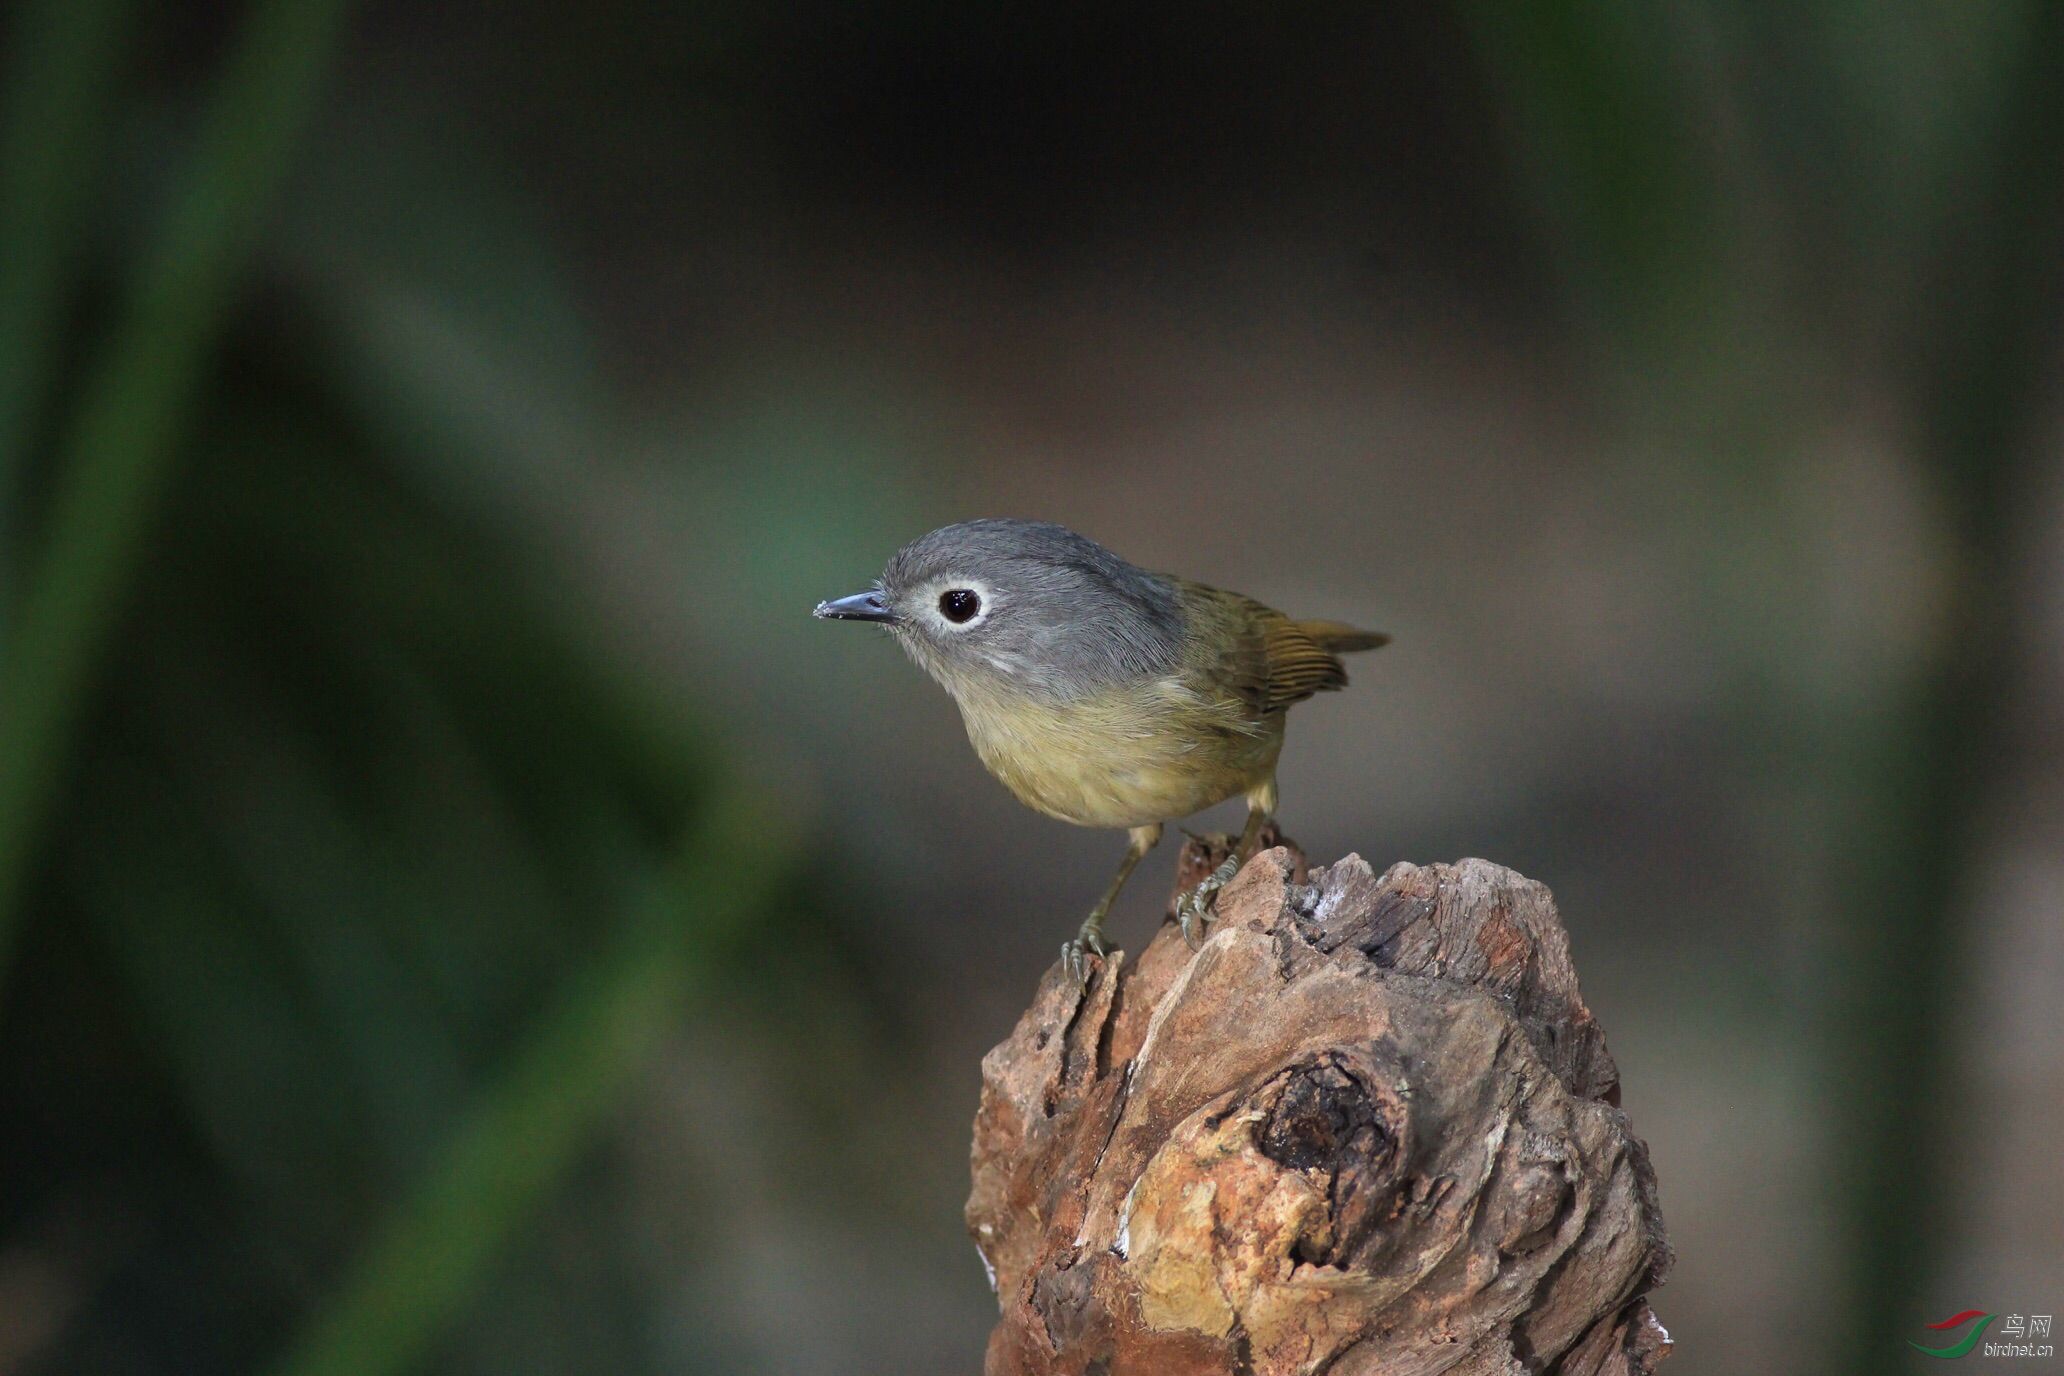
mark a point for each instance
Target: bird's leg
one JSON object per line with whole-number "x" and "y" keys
{"x": 1075, "y": 954}
{"x": 1194, "y": 908}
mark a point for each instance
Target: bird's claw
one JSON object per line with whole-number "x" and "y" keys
{"x": 1075, "y": 954}
{"x": 1194, "y": 910}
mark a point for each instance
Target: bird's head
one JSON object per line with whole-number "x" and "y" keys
{"x": 1021, "y": 604}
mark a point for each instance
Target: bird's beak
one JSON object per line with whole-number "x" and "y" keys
{"x": 861, "y": 606}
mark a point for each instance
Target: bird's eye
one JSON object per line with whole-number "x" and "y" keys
{"x": 959, "y": 605}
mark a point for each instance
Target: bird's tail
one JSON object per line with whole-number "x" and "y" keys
{"x": 1340, "y": 639}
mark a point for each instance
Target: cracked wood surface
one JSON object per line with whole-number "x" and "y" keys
{"x": 1370, "y": 1129}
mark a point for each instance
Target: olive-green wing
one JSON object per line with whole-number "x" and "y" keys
{"x": 1261, "y": 655}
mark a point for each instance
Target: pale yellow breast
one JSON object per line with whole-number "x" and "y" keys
{"x": 1125, "y": 759}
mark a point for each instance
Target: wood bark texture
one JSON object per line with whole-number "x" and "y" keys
{"x": 1370, "y": 1129}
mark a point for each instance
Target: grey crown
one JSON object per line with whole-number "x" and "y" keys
{"x": 1068, "y": 616}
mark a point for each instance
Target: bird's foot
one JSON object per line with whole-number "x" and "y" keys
{"x": 1075, "y": 954}
{"x": 1195, "y": 908}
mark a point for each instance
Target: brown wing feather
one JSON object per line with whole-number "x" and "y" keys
{"x": 1297, "y": 665}
{"x": 1258, "y": 653}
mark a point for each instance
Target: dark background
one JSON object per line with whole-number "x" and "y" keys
{"x": 460, "y": 913}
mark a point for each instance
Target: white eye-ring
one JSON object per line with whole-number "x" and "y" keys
{"x": 961, "y": 603}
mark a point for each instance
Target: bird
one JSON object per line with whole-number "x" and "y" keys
{"x": 1102, "y": 694}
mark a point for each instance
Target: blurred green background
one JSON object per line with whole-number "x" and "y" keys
{"x": 460, "y": 914}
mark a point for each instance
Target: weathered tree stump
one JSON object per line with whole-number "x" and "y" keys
{"x": 1370, "y": 1129}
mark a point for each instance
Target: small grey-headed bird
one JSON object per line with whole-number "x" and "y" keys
{"x": 1102, "y": 694}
